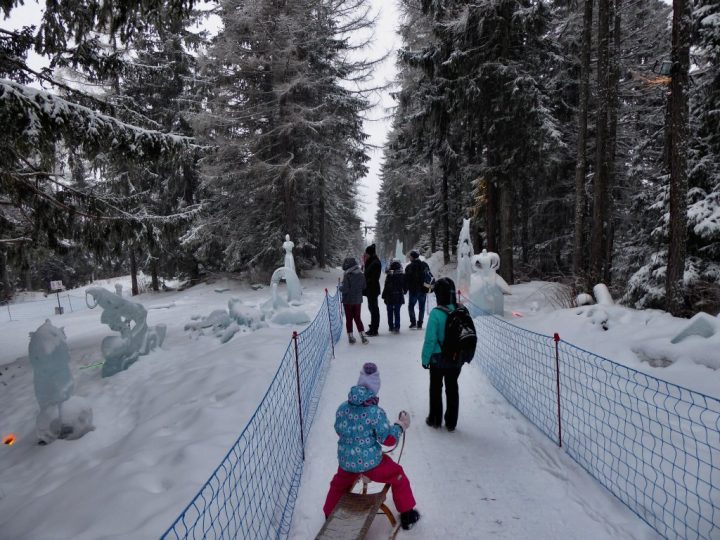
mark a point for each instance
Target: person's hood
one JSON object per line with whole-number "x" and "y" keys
{"x": 396, "y": 266}
{"x": 349, "y": 263}
{"x": 370, "y": 250}
{"x": 353, "y": 269}
{"x": 359, "y": 395}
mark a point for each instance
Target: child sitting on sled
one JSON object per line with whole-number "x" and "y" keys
{"x": 362, "y": 427}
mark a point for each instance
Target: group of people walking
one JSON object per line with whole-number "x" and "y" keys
{"x": 360, "y": 423}
{"x": 399, "y": 281}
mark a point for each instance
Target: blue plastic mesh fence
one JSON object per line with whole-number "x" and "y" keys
{"x": 252, "y": 493}
{"x": 653, "y": 444}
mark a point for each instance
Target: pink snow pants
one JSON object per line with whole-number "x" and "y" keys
{"x": 388, "y": 472}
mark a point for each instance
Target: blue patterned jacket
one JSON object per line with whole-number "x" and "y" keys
{"x": 362, "y": 427}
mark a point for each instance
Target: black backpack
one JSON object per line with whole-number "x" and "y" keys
{"x": 460, "y": 337}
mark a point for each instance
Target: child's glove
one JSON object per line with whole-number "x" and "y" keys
{"x": 404, "y": 420}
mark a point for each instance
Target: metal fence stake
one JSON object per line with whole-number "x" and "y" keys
{"x": 297, "y": 374}
{"x": 556, "y": 339}
{"x": 327, "y": 305}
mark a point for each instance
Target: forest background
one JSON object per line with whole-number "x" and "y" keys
{"x": 580, "y": 136}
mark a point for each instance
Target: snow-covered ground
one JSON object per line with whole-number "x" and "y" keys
{"x": 495, "y": 476}
{"x": 639, "y": 339}
{"x": 163, "y": 425}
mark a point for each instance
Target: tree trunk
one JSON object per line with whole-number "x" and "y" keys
{"x": 579, "y": 262}
{"x": 677, "y": 247}
{"x": 154, "y": 274}
{"x": 133, "y": 273}
{"x": 445, "y": 217}
{"x": 6, "y": 289}
{"x": 614, "y": 104}
{"x": 322, "y": 239}
{"x": 506, "y": 231}
{"x": 600, "y": 187}
{"x": 525, "y": 202}
{"x": 491, "y": 216}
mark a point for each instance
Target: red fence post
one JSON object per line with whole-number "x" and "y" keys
{"x": 556, "y": 338}
{"x": 332, "y": 341}
{"x": 297, "y": 376}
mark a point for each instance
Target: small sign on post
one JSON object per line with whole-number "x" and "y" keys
{"x": 56, "y": 287}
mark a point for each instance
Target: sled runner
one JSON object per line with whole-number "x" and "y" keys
{"x": 353, "y": 515}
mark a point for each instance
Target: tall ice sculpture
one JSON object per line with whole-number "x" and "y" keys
{"x": 464, "y": 259}
{"x": 62, "y": 415}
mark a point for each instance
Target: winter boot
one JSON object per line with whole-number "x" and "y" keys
{"x": 351, "y": 339}
{"x": 409, "y": 518}
{"x": 412, "y": 325}
{"x": 419, "y": 325}
{"x": 430, "y": 422}
{"x": 363, "y": 338}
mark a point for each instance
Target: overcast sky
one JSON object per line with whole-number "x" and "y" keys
{"x": 386, "y": 39}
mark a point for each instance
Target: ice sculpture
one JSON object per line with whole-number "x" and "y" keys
{"x": 488, "y": 294}
{"x": 464, "y": 258}
{"x": 61, "y": 415}
{"x": 294, "y": 291}
{"x": 50, "y": 357}
{"x": 399, "y": 255}
{"x": 130, "y": 319}
{"x": 702, "y": 324}
{"x": 288, "y": 247}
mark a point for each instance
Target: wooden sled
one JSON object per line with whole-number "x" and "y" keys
{"x": 354, "y": 513}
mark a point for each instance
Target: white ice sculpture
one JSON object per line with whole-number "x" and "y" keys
{"x": 488, "y": 295}
{"x": 294, "y": 291}
{"x": 288, "y": 246}
{"x": 702, "y": 325}
{"x": 399, "y": 255}
{"x": 130, "y": 319}
{"x": 464, "y": 259}
{"x": 61, "y": 415}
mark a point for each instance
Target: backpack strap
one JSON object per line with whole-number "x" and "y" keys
{"x": 447, "y": 312}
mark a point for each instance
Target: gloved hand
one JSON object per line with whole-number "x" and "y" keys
{"x": 404, "y": 420}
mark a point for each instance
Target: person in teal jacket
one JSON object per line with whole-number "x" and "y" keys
{"x": 362, "y": 427}
{"x": 432, "y": 360}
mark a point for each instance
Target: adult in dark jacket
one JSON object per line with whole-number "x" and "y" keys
{"x": 417, "y": 294}
{"x": 394, "y": 294}
{"x": 373, "y": 269}
{"x": 432, "y": 360}
{"x": 352, "y": 287}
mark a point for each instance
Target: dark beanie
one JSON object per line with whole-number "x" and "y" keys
{"x": 414, "y": 254}
{"x": 370, "y": 250}
{"x": 445, "y": 292}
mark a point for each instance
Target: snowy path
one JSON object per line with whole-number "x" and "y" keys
{"x": 495, "y": 476}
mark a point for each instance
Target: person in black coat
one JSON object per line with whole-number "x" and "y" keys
{"x": 394, "y": 294}
{"x": 373, "y": 269}
{"x": 415, "y": 284}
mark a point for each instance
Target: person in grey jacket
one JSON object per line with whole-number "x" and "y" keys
{"x": 352, "y": 287}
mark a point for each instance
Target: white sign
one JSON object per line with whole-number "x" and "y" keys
{"x": 56, "y": 285}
